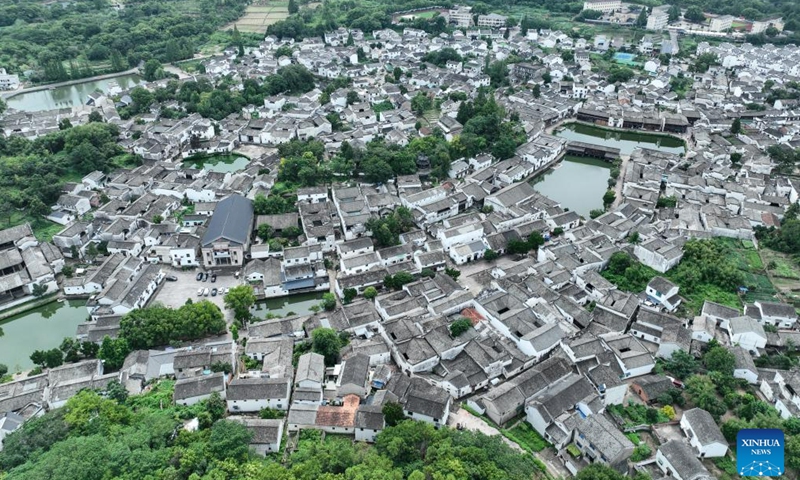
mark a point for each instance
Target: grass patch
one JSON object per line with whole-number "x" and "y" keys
{"x": 573, "y": 450}
{"x": 634, "y": 437}
{"x": 526, "y": 437}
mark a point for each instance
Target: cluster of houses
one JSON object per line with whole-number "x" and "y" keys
{"x": 550, "y": 340}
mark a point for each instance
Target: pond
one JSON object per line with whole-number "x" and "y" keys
{"x": 218, "y": 163}
{"x": 300, "y": 304}
{"x": 67, "y": 96}
{"x": 626, "y": 141}
{"x": 42, "y": 328}
{"x": 576, "y": 183}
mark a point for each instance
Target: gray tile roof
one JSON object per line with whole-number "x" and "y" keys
{"x": 258, "y": 389}
{"x": 231, "y": 221}
{"x": 310, "y": 366}
{"x": 197, "y": 386}
{"x": 704, "y": 427}
{"x": 682, "y": 458}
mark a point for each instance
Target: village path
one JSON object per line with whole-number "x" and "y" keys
{"x": 476, "y": 424}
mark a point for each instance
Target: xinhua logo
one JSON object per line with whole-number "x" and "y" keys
{"x": 759, "y": 452}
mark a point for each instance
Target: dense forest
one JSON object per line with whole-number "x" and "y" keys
{"x": 96, "y": 437}
{"x": 62, "y": 40}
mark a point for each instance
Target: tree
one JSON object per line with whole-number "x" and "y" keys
{"x": 597, "y": 471}
{"x": 694, "y": 14}
{"x": 596, "y": 213}
{"x": 490, "y": 255}
{"x": 113, "y": 352}
{"x": 393, "y": 413}
{"x": 39, "y": 290}
{"x": 153, "y": 70}
{"x": 64, "y": 124}
{"x": 349, "y": 295}
{"x": 421, "y": 103}
{"x": 240, "y": 299}
{"x": 293, "y": 8}
{"x": 719, "y": 359}
{"x": 229, "y": 440}
{"x": 460, "y": 326}
{"x": 547, "y": 78}
{"x": 633, "y": 238}
{"x": 427, "y": 273}
{"x": 674, "y": 13}
{"x": 641, "y": 20}
{"x": 352, "y": 97}
{"x": 681, "y": 364}
{"x": 452, "y": 273}
{"x": 329, "y": 301}
{"x": 736, "y": 126}
{"x": 370, "y": 293}
{"x": 157, "y": 219}
{"x": 48, "y": 358}
{"x": 326, "y": 342}
{"x": 264, "y": 231}
{"x": 116, "y": 391}
{"x": 609, "y": 197}
{"x": 95, "y": 117}
{"x": 3, "y": 369}
{"x": 536, "y": 91}
{"x": 703, "y": 394}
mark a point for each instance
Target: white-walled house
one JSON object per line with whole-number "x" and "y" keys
{"x": 267, "y": 434}
{"x": 677, "y": 459}
{"x": 744, "y": 367}
{"x": 664, "y": 293}
{"x": 252, "y": 394}
{"x": 747, "y": 333}
{"x": 703, "y": 433}
{"x": 189, "y": 391}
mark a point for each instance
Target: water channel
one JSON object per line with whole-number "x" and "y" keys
{"x": 218, "y": 163}
{"x": 282, "y": 306}
{"x": 69, "y": 95}
{"x": 42, "y": 328}
{"x": 578, "y": 183}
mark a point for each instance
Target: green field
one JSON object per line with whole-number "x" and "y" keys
{"x": 259, "y": 16}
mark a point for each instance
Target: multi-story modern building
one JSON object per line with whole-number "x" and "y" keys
{"x": 492, "y": 20}
{"x": 721, "y": 23}
{"x": 605, "y": 6}
{"x": 227, "y": 238}
{"x": 657, "y": 20}
{"x": 460, "y": 16}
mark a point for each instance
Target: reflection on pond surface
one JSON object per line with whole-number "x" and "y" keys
{"x": 42, "y": 328}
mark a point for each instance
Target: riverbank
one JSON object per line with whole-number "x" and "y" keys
{"x": 49, "y": 86}
{"x": 29, "y": 305}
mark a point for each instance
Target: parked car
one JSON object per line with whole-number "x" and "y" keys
{"x": 172, "y": 278}
{"x": 205, "y": 277}
{"x": 213, "y": 277}
{"x": 200, "y": 292}
{"x": 199, "y": 276}
{"x": 205, "y": 292}
{"x": 214, "y": 292}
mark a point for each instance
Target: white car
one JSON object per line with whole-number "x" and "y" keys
{"x": 206, "y": 292}
{"x": 199, "y": 292}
